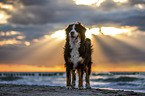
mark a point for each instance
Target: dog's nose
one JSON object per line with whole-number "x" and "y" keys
{"x": 72, "y": 33}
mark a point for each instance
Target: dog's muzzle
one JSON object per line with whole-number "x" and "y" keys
{"x": 73, "y": 38}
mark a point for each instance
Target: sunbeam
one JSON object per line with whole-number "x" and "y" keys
{"x": 136, "y": 42}
{"x": 98, "y": 53}
{"x": 110, "y": 53}
{"x": 43, "y": 53}
{"x": 115, "y": 45}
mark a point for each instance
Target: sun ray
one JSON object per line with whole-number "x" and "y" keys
{"x": 98, "y": 53}
{"x": 44, "y": 49}
{"x": 132, "y": 41}
{"x": 113, "y": 44}
{"x": 102, "y": 59}
{"x": 43, "y": 53}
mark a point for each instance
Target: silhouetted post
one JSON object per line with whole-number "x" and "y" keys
{"x": 100, "y": 31}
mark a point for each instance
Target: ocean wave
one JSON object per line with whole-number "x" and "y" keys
{"x": 116, "y": 73}
{"x": 119, "y": 79}
{"x": 127, "y": 84}
{"x": 10, "y": 78}
{"x": 102, "y": 74}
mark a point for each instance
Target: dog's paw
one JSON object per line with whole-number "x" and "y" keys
{"x": 81, "y": 88}
{"x": 88, "y": 86}
{"x": 68, "y": 87}
{"x": 73, "y": 87}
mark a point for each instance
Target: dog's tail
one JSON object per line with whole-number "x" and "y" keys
{"x": 88, "y": 61}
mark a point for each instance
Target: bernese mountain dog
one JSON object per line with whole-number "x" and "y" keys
{"x": 77, "y": 55}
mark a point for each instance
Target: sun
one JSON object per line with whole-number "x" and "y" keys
{"x": 6, "y": 6}
{"x": 121, "y": 1}
{"x": 92, "y": 31}
{"x": 3, "y": 18}
{"x": 113, "y": 31}
{"x": 60, "y": 34}
{"x": 88, "y": 2}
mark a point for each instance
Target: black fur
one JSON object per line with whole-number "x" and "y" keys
{"x": 85, "y": 50}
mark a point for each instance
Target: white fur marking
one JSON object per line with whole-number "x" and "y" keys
{"x": 73, "y": 30}
{"x": 74, "y": 27}
{"x": 75, "y": 56}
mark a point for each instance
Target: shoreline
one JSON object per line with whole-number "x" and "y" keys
{"x": 44, "y": 90}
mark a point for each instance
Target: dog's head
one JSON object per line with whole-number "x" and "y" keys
{"x": 75, "y": 31}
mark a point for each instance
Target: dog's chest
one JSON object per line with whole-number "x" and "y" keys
{"x": 75, "y": 56}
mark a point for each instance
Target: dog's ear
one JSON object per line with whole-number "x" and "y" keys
{"x": 67, "y": 30}
{"x": 82, "y": 27}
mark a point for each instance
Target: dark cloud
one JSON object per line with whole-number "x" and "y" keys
{"x": 8, "y": 1}
{"x": 136, "y": 21}
{"x": 30, "y": 32}
{"x": 34, "y": 13}
{"x": 131, "y": 18}
{"x": 134, "y": 2}
{"x": 34, "y": 2}
{"x": 37, "y": 12}
{"x": 108, "y": 5}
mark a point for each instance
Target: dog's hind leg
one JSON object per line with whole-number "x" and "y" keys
{"x": 87, "y": 78}
{"x": 68, "y": 79}
{"x": 80, "y": 73}
{"x": 73, "y": 78}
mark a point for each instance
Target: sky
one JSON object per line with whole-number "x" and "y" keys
{"x": 32, "y": 35}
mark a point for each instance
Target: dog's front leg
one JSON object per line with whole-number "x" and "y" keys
{"x": 80, "y": 73}
{"x": 68, "y": 79}
{"x": 73, "y": 78}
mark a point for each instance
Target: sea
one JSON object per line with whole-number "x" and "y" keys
{"x": 128, "y": 81}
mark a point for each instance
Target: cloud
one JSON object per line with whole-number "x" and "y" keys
{"x": 9, "y": 41}
{"x": 134, "y": 2}
{"x": 37, "y": 12}
{"x": 36, "y": 19}
{"x": 11, "y": 38}
{"x": 34, "y": 2}
{"x": 136, "y": 21}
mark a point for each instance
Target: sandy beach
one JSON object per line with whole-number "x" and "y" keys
{"x": 34, "y": 90}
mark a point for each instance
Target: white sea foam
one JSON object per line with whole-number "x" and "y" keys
{"x": 133, "y": 82}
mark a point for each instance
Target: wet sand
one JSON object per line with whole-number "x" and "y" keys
{"x": 34, "y": 90}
